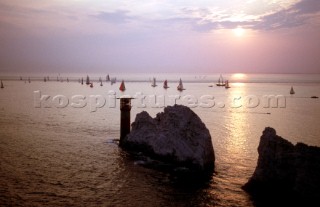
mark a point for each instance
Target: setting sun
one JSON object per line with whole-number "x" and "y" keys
{"x": 238, "y": 31}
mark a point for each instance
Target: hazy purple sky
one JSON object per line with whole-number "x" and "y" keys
{"x": 258, "y": 36}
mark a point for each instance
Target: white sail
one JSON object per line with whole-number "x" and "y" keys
{"x": 220, "y": 81}
{"x": 88, "y": 80}
{"x": 227, "y": 84}
{"x": 165, "y": 84}
{"x": 154, "y": 84}
{"x": 180, "y": 86}
{"x": 113, "y": 81}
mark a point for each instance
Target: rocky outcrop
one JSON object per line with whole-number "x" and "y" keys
{"x": 176, "y": 136}
{"x": 284, "y": 168}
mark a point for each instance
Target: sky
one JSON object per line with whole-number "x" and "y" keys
{"x": 159, "y": 36}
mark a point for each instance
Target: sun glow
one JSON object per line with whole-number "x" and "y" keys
{"x": 239, "y": 32}
{"x": 239, "y": 76}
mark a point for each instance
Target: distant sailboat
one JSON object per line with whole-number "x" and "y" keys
{"x": 154, "y": 84}
{"x": 81, "y": 81}
{"x": 220, "y": 81}
{"x": 227, "y": 84}
{"x": 292, "y": 91}
{"x": 180, "y": 86}
{"x": 101, "y": 83}
{"x": 122, "y": 86}
{"x": 2, "y": 86}
{"x": 44, "y": 79}
{"x": 88, "y": 80}
{"x": 91, "y": 85}
{"x": 113, "y": 81}
{"x": 108, "y": 78}
{"x": 165, "y": 84}
{"x": 68, "y": 80}
{"x": 29, "y": 80}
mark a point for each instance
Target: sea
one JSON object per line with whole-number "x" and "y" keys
{"x": 58, "y": 138}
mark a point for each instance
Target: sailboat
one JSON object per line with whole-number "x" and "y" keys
{"x": 227, "y": 84}
{"x": 81, "y": 81}
{"x": 2, "y": 84}
{"x": 220, "y": 81}
{"x": 122, "y": 86}
{"x": 44, "y": 79}
{"x": 101, "y": 83}
{"x": 292, "y": 91}
{"x": 91, "y": 85}
{"x": 113, "y": 81}
{"x": 154, "y": 84}
{"x": 88, "y": 80}
{"x": 180, "y": 86}
{"x": 29, "y": 80}
{"x": 165, "y": 84}
{"x": 107, "y": 78}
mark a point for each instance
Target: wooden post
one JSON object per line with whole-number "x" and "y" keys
{"x": 125, "y": 107}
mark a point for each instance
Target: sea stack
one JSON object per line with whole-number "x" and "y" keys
{"x": 176, "y": 136}
{"x": 285, "y": 169}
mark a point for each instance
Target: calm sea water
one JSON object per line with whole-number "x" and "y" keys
{"x": 66, "y": 156}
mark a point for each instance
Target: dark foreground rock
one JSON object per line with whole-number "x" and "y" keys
{"x": 285, "y": 169}
{"x": 176, "y": 136}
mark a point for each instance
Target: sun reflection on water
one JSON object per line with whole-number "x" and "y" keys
{"x": 237, "y": 123}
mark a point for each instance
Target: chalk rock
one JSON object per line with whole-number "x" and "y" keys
{"x": 285, "y": 168}
{"x": 177, "y": 136}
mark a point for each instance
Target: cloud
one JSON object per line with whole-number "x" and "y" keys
{"x": 204, "y": 20}
{"x": 116, "y": 17}
{"x": 205, "y": 24}
{"x": 294, "y": 16}
{"x": 307, "y": 6}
